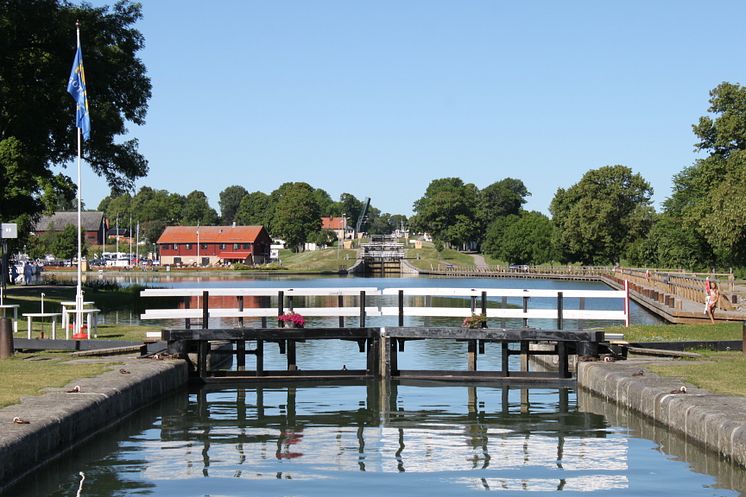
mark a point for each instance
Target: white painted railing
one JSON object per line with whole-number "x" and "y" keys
{"x": 370, "y": 294}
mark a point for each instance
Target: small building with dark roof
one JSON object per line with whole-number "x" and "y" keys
{"x": 93, "y": 223}
{"x": 208, "y": 245}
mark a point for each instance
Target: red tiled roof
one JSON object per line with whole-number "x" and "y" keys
{"x": 210, "y": 234}
{"x": 333, "y": 223}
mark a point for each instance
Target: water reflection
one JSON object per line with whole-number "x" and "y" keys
{"x": 306, "y": 433}
{"x": 376, "y": 439}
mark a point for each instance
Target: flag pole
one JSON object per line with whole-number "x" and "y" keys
{"x": 79, "y": 288}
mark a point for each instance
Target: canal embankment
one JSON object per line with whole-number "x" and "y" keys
{"x": 716, "y": 422}
{"x": 45, "y": 427}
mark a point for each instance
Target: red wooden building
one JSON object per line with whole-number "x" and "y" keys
{"x": 208, "y": 245}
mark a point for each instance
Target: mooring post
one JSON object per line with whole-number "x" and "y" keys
{"x": 401, "y": 307}
{"x": 362, "y": 309}
{"x": 6, "y": 338}
{"x": 524, "y": 356}
{"x": 743, "y": 346}
{"x": 505, "y": 358}
{"x": 562, "y": 366}
{"x": 259, "y": 357}
{"x": 292, "y": 363}
{"x": 471, "y": 362}
{"x": 559, "y": 310}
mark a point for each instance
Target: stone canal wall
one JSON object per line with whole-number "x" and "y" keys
{"x": 59, "y": 421}
{"x": 717, "y": 422}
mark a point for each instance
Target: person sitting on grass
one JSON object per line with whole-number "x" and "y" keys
{"x": 713, "y": 301}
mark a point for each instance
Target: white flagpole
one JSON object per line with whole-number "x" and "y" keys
{"x": 79, "y": 289}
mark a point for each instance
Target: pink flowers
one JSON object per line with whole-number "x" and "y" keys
{"x": 292, "y": 319}
{"x": 474, "y": 321}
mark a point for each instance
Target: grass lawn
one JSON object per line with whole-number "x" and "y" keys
{"x": 29, "y": 297}
{"x": 717, "y": 372}
{"x": 430, "y": 258}
{"x": 327, "y": 260}
{"x": 679, "y": 332}
{"x": 27, "y": 374}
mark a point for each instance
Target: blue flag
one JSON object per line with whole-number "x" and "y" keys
{"x": 76, "y": 88}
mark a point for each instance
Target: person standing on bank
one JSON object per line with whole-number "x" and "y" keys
{"x": 713, "y": 302}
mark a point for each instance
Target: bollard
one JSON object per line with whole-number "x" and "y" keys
{"x": 743, "y": 343}
{"x": 6, "y": 338}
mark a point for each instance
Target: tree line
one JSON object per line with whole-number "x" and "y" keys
{"x": 292, "y": 212}
{"x": 607, "y": 217}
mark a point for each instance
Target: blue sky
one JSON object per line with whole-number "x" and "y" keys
{"x": 378, "y": 98}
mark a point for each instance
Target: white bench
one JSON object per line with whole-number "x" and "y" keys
{"x": 41, "y": 315}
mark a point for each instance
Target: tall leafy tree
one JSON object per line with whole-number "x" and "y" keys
{"x": 37, "y": 125}
{"x": 256, "y": 209}
{"x": 351, "y": 207}
{"x": 327, "y": 206}
{"x": 502, "y": 198}
{"x": 230, "y": 200}
{"x": 198, "y": 211}
{"x": 297, "y": 215}
{"x": 707, "y": 196}
{"x": 448, "y": 211}
{"x": 598, "y": 217}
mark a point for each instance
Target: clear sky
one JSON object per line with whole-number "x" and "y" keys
{"x": 378, "y": 98}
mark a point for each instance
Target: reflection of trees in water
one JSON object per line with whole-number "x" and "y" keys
{"x": 392, "y": 431}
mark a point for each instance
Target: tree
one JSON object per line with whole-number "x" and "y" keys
{"x": 37, "y": 125}
{"x": 255, "y": 209}
{"x": 448, "y": 211}
{"x": 528, "y": 239}
{"x": 707, "y": 196}
{"x": 230, "y": 200}
{"x": 327, "y": 206}
{"x": 351, "y": 207}
{"x": 64, "y": 244}
{"x": 727, "y": 132}
{"x": 598, "y": 217}
{"x": 297, "y": 214}
{"x": 198, "y": 211}
{"x": 502, "y": 198}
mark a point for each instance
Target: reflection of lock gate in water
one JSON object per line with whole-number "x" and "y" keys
{"x": 382, "y": 344}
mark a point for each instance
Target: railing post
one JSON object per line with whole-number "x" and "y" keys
{"x": 525, "y": 311}
{"x": 280, "y": 308}
{"x": 484, "y": 309}
{"x": 559, "y": 310}
{"x": 240, "y": 308}
{"x": 362, "y": 309}
{"x": 341, "y": 303}
{"x": 205, "y": 309}
{"x": 187, "y": 305}
{"x": 401, "y": 307}
{"x": 626, "y": 303}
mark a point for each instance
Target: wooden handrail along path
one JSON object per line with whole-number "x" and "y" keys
{"x": 675, "y": 295}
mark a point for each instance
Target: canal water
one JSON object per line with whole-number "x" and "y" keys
{"x": 373, "y": 439}
{"x": 370, "y": 439}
